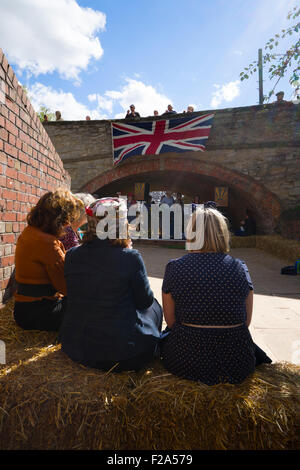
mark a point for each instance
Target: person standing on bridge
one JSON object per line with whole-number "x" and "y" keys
{"x": 170, "y": 110}
{"x": 132, "y": 113}
{"x": 58, "y": 116}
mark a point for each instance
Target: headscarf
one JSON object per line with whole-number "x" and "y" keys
{"x": 97, "y": 208}
{"x": 107, "y": 206}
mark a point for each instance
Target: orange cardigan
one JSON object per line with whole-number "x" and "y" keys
{"x": 39, "y": 259}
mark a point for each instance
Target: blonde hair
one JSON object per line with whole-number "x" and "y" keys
{"x": 82, "y": 201}
{"x": 207, "y": 230}
{"x": 86, "y": 198}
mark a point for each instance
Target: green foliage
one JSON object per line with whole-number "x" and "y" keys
{"x": 280, "y": 64}
{"x": 42, "y": 111}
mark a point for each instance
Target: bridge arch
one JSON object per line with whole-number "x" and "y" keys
{"x": 184, "y": 174}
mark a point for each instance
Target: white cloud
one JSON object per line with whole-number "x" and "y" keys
{"x": 103, "y": 106}
{"x": 102, "y": 102}
{"x": 41, "y": 95}
{"x": 238, "y": 52}
{"x": 92, "y": 97}
{"x": 227, "y": 92}
{"x": 145, "y": 98}
{"x": 42, "y": 37}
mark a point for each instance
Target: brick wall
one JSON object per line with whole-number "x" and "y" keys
{"x": 29, "y": 166}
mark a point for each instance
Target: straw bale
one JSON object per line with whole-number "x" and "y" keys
{"x": 283, "y": 248}
{"x": 49, "y": 402}
{"x": 243, "y": 242}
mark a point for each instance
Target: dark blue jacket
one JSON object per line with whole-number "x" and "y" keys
{"x": 107, "y": 289}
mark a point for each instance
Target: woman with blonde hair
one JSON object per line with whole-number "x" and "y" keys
{"x": 72, "y": 234}
{"x": 112, "y": 319}
{"x": 39, "y": 262}
{"x": 208, "y": 301}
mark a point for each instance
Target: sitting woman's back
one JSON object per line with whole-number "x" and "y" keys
{"x": 112, "y": 317}
{"x": 207, "y": 297}
{"x": 39, "y": 262}
{"x": 208, "y": 288}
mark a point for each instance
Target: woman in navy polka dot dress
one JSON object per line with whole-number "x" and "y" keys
{"x": 208, "y": 300}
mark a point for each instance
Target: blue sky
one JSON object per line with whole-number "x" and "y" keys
{"x": 96, "y": 57}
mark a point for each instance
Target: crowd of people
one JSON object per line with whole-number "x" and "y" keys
{"x": 133, "y": 114}
{"x": 246, "y": 226}
{"x": 95, "y": 292}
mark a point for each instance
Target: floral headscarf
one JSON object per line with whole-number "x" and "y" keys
{"x": 99, "y": 209}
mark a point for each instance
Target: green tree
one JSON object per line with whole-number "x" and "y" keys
{"x": 284, "y": 63}
{"x": 42, "y": 111}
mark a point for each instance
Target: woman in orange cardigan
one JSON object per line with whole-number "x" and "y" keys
{"x": 40, "y": 300}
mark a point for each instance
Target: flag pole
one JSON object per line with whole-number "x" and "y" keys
{"x": 260, "y": 77}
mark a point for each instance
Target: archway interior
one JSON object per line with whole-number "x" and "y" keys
{"x": 189, "y": 184}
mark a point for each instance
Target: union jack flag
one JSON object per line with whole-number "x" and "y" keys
{"x": 155, "y": 137}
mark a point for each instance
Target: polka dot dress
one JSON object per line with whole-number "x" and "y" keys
{"x": 208, "y": 289}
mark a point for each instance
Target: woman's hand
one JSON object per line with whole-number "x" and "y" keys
{"x": 249, "y": 307}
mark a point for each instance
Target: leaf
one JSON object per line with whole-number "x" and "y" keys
{"x": 280, "y": 64}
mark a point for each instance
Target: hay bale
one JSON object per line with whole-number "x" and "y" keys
{"x": 243, "y": 242}
{"x": 283, "y": 248}
{"x": 49, "y": 402}
{"x": 19, "y": 341}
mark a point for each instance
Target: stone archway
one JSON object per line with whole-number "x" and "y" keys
{"x": 264, "y": 203}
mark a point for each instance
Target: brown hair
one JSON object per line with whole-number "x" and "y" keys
{"x": 54, "y": 211}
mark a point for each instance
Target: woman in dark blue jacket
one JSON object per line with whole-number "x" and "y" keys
{"x": 112, "y": 319}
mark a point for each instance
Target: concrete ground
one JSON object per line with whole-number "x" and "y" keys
{"x": 275, "y": 323}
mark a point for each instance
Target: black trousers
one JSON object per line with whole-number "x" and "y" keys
{"x": 44, "y": 315}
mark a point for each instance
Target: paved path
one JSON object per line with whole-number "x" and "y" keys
{"x": 275, "y": 323}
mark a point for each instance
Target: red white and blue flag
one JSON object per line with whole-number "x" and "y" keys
{"x": 154, "y": 137}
